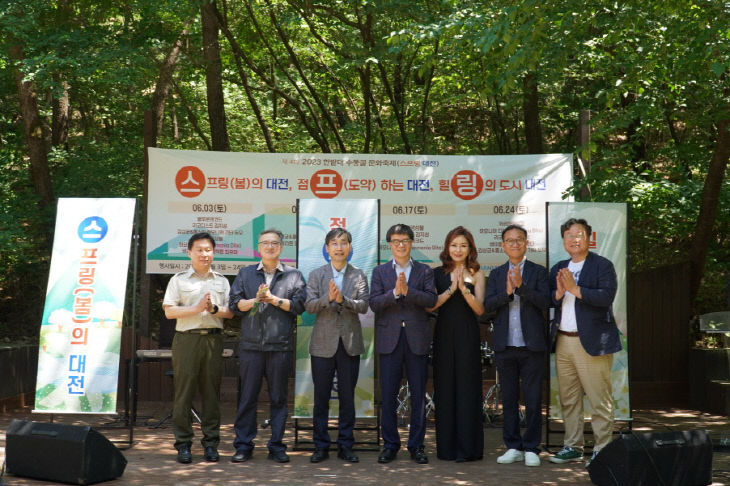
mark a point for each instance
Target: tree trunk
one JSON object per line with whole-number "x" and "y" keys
{"x": 366, "y": 32}
{"x": 531, "y": 112}
{"x": 164, "y": 81}
{"x": 426, "y": 120}
{"x": 365, "y": 83}
{"x": 192, "y": 118}
{"x": 703, "y": 233}
{"x": 60, "y": 113}
{"x": 239, "y": 56}
{"x": 635, "y": 139}
{"x": 294, "y": 59}
{"x": 213, "y": 78}
{"x": 34, "y": 132}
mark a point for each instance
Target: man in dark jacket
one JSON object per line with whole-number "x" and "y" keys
{"x": 586, "y": 336}
{"x": 519, "y": 293}
{"x": 268, "y": 296}
{"x": 402, "y": 290}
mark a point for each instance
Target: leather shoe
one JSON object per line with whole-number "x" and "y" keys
{"x": 211, "y": 454}
{"x": 387, "y": 455}
{"x": 278, "y": 456}
{"x": 242, "y": 456}
{"x": 183, "y": 454}
{"x": 346, "y": 454}
{"x": 319, "y": 455}
{"x": 418, "y": 455}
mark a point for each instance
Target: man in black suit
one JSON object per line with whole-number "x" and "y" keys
{"x": 519, "y": 292}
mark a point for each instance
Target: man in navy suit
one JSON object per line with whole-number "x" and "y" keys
{"x": 583, "y": 289}
{"x": 519, "y": 293}
{"x": 401, "y": 291}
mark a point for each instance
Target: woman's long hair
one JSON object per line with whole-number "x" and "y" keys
{"x": 471, "y": 259}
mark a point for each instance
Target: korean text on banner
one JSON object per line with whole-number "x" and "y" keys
{"x": 78, "y": 355}
{"x": 234, "y": 196}
{"x": 316, "y": 218}
{"x": 609, "y": 222}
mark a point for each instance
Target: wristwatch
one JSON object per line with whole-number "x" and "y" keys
{"x": 280, "y": 303}
{"x": 215, "y": 309}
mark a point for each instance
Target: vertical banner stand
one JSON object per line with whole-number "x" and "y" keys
{"x": 130, "y": 410}
{"x": 548, "y": 420}
{"x": 370, "y": 445}
{"x": 130, "y": 388}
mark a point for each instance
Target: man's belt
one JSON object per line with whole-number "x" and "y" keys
{"x": 207, "y": 330}
{"x": 568, "y": 333}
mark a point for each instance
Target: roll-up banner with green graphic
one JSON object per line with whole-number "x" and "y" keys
{"x": 78, "y": 355}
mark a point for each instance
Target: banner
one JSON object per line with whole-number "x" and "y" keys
{"x": 316, "y": 218}
{"x": 234, "y": 196}
{"x": 78, "y": 352}
{"x": 609, "y": 222}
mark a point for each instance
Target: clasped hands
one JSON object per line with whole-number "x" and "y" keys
{"x": 334, "y": 292}
{"x": 263, "y": 295}
{"x": 401, "y": 285}
{"x": 459, "y": 278}
{"x": 514, "y": 280}
{"x": 566, "y": 283}
{"x": 205, "y": 304}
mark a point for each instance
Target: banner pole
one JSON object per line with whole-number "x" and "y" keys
{"x": 131, "y": 388}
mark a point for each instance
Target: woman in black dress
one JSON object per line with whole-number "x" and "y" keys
{"x": 457, "y": 372}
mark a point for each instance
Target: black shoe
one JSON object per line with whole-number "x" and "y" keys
{"x": 418, "y": 455}
{"x": 346, "y": 454}
{"x": 387, "y": 455}
{"x": 183, "y": 454}
{"x": 278, "y": 456}
{"x": 242, "y": 456}
{"x": 211, "y": 454}
{"x": 320, "y": 455}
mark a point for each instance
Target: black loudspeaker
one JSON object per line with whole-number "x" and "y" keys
{"x": 655, "y": 459}
{"x": 63, "y": 453}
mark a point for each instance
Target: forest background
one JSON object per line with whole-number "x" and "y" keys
{"x": 86, "y": 85}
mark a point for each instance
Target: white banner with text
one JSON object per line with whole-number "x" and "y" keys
{"x": 236, "y": 195}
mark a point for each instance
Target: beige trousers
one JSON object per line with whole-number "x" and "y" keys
{"x": 578, "y": 372}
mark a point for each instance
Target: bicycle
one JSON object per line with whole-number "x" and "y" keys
{"x": 403, "y": 398}
{"x": 492, "y": 405}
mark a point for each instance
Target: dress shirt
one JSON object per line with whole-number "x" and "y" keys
{"x": 398, "y": 270}
{"x": 338, "y": 275}
{"x": 187, "y": 288}
{"x": 514, "y": 336}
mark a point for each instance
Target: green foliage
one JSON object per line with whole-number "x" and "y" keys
{"x": 440, "y": 77}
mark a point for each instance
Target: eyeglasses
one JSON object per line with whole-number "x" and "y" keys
{"x": 515, "y": 241}
{"x": 576, "y": 236}
{"x": 270, "y": 244}
{"x": 400, "y": 242}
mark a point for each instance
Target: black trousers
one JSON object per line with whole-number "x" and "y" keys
{"x": 516, "y": 364}
{"x": 323, "y": 373}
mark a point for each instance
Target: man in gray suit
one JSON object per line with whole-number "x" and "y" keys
{"x": 337, "y": 292}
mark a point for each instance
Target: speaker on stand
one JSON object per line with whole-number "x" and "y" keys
{"x": 655, "y": 459}
{"x": 58, "y": 452}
